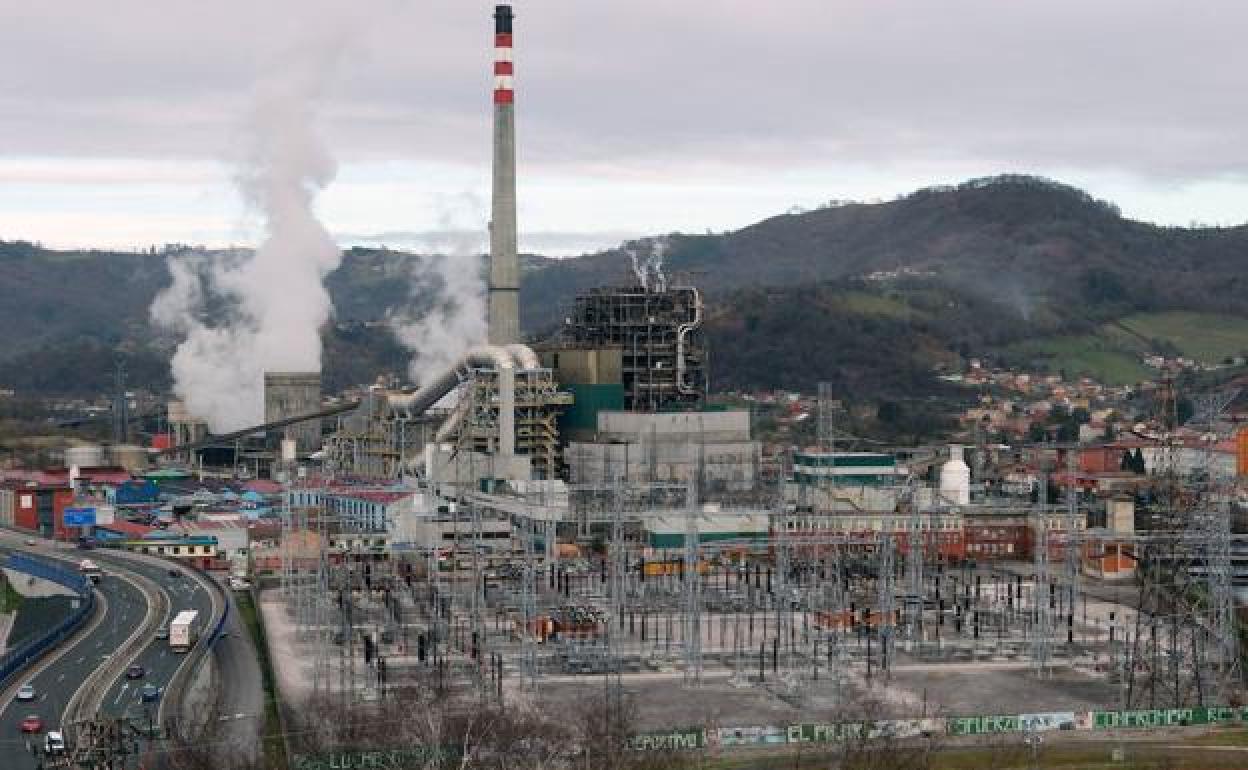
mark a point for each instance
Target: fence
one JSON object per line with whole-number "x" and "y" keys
{"x": 16, "y": 660}
{"x": 689, "y": 738}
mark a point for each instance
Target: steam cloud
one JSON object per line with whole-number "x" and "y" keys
{"x": 451, "y": 284}
{"x": 243, "y": 313}
{"x": 646, "y": 256}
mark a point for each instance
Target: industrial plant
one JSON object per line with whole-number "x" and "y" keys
{"x": 578, "y": 509}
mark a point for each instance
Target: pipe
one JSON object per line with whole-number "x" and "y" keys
{"x": 525, "y": 357}
{"x": 486, "y": 356}
{"x": 681, "y": 332}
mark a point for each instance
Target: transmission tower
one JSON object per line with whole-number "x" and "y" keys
{"x": 886, "y": 599}
{"x": 915, "y": 554}
{"x": 1042, "y": 625}
{"x": 120, "y": 410}
{"x": 825, "y": 427}
{"x": 1211, "y": 523}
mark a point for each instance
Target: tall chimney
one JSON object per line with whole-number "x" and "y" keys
{"x": 504, "y": 299}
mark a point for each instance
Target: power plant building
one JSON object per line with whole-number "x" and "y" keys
{"x": 291, "y": 394}
{"x": 649, "y": 343}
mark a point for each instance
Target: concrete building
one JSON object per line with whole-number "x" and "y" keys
{"x": 648, "y": 342}
{"x": 713, "y": 450}
{"x": 290, "y": 394}
{"x": 184, "y": 427}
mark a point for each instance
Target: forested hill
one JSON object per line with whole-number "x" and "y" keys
{"x": 1022, "y": 241}
{"x": 870, "y": 296}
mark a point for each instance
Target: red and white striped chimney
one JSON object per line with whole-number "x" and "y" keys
{"x": 503, "y": 65}
{"x": 503, "y": 314}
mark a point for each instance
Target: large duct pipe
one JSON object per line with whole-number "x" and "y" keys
{"x": 504, "y": 289}
{"x": 416, "y": 404}
{"x": 524, "y": 356}
{"x": 681, "y": 333}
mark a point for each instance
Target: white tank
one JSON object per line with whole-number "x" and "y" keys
{"x": 955, "y": 478}
{"x": 86, "y": 456}
{"x": 129, "y": 456}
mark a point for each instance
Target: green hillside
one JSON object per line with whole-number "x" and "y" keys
{"x": 1113, "y": 353}
{"x": 1207, "y": 337}
{"x": 875, "y": 297}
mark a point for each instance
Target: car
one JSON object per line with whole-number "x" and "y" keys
{"x": 162, "y": 632}
{"x": 32, "y": 724}
{"x": 149, "y": 693}
{"x": 54, "y": 743}
{"x": 175, "y": 572}
{"x": 31, "y": 541}
{"x": 135, "y": 672}
{"x": 26, "y": 692}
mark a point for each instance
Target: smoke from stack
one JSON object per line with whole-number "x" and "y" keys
{"x": 504, "y": 280}
{"x": 449, "y": 295}
{"x": 646, "y": 256}
{"x": 243, "y": 313}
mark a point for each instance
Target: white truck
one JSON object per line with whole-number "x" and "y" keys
{"x": 184, "y": 630}
{"x": 91, "y": 570}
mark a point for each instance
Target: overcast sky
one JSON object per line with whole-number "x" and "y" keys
{"x": 121, "y": 121}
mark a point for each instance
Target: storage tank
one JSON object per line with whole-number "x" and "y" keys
{"x": 85, "y": 456}
{"x": 955, "y": 478}
{"x": 129, "y": 456}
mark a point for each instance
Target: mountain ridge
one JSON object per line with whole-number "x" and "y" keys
{"x": 913, "y": 283}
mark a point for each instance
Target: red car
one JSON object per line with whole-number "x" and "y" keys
{"x": 32, "y": 724}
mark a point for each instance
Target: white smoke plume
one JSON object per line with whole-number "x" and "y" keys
{"x": 646, "y": 256}
{"x": 450, "y": 287}
{"x": 270, "y": 303}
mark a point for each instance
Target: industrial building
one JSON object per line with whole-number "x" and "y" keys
{"x": 648, "y": 342}
{"x": 291, "y": 394}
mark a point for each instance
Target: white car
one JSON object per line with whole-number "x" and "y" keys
{"x": 26, "y": 692}
{"x": 54, "y": 742}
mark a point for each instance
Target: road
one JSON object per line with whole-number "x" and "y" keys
{"x": 59, "y": 676}
{"x": 241, "y": 700}
{"x": 158, "y": 661}
{"x": 124, "y": 608}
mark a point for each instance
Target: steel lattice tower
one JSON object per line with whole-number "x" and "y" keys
{"x": 886, "y": 598}
{"x": 1042, "y": 625}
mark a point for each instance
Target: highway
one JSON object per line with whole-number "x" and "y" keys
{"x": 241, "y": 701}
{"x": 157, "y": 660}
{"x": 58, "y": 676}
{"x": 123, "y": 610}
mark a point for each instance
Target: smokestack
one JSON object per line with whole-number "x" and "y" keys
{"x": 504, "y": 295}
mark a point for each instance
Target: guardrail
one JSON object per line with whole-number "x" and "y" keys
{"x": 87, "y": 699}
{"x": 174, "y": 692}
{"x": 16, "y": 660}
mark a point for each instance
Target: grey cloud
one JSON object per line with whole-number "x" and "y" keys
{"x": 1147, "y": 88}
{"x": 545, "y": 243}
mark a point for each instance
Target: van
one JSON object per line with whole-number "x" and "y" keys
{"x": 54, "y": 743}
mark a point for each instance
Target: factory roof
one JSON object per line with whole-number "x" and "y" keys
{"x": 384, "y": 497}
{"x": 125, "y": 528}
{"x": 711, "y": 523}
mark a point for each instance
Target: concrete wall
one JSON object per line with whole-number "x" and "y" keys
{"x": 289, "y": 394}
{"x": 695, "y": 427}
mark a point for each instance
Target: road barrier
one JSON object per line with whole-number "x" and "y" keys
{"x": 17, "y": 659}
{"x": 176, "y": 691}
{"x": 695, "y": 738}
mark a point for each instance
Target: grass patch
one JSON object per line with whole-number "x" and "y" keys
{"x": 1112, "y": 354}
{"x": 10, "y": 599}
{"x": 865, "y": 303}
{"x": 1206, "y": 337}
{"x": 274, "y": 746}
{"x": 1105, "y": 358}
